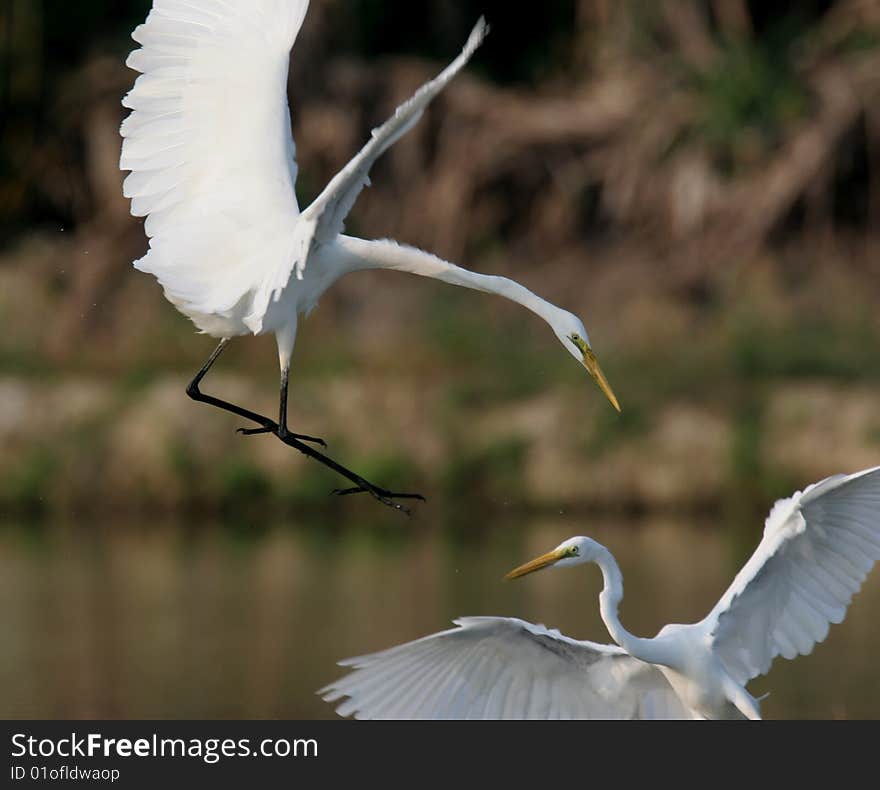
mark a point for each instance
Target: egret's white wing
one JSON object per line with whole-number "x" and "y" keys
{"x": 817, "y": 548}
{"x": 210, "y": 149}
{"x": 502, "y": 668}
{"x": 329, "y": 210}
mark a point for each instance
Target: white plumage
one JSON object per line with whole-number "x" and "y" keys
{"x": 212, "y": 156}
{"x": 503, "y": 668}
{"x": 213, "y": 169}
{"x": 817, "y": 549}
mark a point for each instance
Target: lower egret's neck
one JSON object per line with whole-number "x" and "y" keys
{"x": 386, "y": 254}
{"x": 609, "y": 601}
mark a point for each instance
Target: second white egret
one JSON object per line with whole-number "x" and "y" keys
{"x": 817, "y": 549}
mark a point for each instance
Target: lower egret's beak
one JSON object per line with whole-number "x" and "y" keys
{"x": 592, "y": 366}
{"x": 544, "y": 561}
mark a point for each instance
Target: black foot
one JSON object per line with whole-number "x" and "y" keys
{"x": 297, "y": 441}
{"x": 385, "y": 496}
{"x": 274, "y": 430}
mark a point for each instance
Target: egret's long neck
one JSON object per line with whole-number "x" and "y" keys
{"x": 609, "y": 601}
{"x": 386, "y": 254}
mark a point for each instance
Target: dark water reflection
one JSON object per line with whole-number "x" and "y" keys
{"x": 146, "y": 621}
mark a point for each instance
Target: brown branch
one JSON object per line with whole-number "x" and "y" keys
{"x": 733, "y": 17}
{"x": 687, "y": 23}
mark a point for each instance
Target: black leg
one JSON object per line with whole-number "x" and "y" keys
{"x": 362, "y": 490}
{"x": 197, "y": 395}
{"x": 282, "y": 408}
{"x": 385, "y": 496}
{"x": 282, "y": 418}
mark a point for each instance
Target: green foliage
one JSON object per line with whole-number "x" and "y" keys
{"x": 481, "y": 479}
{"x": 184, "y": 465}
{"x": 24, "y": 362}
{"x": 137, "y": 378}
{"x": 859, "y": 41}
{"x": 820, "y": 347}
{"x": 27, "y": 484}
{"x": 490, "y": 473}
{"x": 746, "y": 98}
{"x": 490, "y": 360}
{"x": 631, "y": 424}
{"x": 394, "y": 471}
{"x": 746, "y": 451}
{"x": 244, "y": 488}
{"x": 484, "y": 352}
{"x": 309, "y": 486}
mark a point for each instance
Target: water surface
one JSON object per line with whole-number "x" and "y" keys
{"x": 166, "y": 620}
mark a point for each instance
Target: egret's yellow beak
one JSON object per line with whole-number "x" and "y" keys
{"x": 544, "y": 561}
{"x": 592, "y": 366}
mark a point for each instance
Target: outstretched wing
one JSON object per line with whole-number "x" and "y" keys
{"x": 327, "y": 213}
{"x": 209, "y": 147}
{"x": 502, "y": 668}
{"x": 817, "y": 549}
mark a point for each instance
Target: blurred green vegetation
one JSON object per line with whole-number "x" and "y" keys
{"x": 619, "y": 158}
{"x": 748, "y": 96}
{"x": 730, "y": 368}
{"x": 27, "y": 486}
{"x": 747, "y": 93}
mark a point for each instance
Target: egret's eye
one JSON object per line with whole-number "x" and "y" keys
{"x": 574, "y": 551}
{"x": 576, "y": 338}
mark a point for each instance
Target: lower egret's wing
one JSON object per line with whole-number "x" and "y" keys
{"x": 329, "y": 210}
{"x": 502, "y": 668}
{"x": 210, "y": 149}
{"x": 817, "y": 549}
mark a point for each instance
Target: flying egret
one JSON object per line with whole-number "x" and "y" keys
{"x": 817, "y": 549}
{"x": 213, "y": 168}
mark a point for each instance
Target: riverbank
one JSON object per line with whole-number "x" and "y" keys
{"x": 81, "y": 444}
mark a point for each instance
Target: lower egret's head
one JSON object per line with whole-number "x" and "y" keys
{"x": 572, "y": 334}
{"x": 574, "y": 551}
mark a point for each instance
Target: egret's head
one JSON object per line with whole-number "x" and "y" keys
{"x": 571, "y": 333}
{"x": 574, "y": 551}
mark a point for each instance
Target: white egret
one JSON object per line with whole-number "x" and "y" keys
{"x": 817, "y": 549}
{"x": 213, "y": 168}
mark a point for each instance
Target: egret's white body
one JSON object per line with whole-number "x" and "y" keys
{"x": 213, "y": 168}
{"x": 818, "y": 547}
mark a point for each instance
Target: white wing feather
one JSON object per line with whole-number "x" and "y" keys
{"x": 327, "y": 213}
{"x": 502, "y": 668}
{"x": 817, "y": 549}
{"x": 210, "y": 150}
